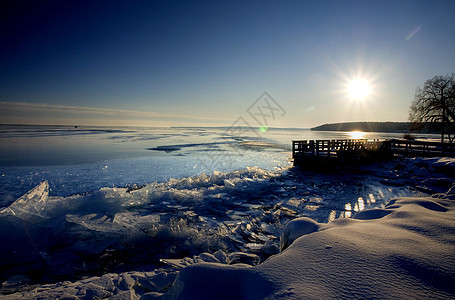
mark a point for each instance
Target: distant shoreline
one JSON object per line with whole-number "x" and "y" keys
{"x": 387, "y": 127}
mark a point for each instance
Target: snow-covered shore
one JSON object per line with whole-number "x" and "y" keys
{"x": 402, "y": 251}
{"x": 402, "y": 248}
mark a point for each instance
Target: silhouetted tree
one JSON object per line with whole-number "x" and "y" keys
{"x": 434, "y": 105}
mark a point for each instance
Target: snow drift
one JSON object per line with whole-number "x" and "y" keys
{"x": 405, "y": 253}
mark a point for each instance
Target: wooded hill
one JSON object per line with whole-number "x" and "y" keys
{"x": 397, "y": 127}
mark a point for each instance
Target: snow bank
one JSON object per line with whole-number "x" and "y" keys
{"x": 406, "y": 252}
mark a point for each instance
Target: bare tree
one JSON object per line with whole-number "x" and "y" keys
{"x": 434, "y": 104}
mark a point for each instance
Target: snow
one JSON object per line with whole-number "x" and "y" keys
{"x": 295, "y": 229}
{"x": 218, "y": 236}
{"x": 407, "y": 252}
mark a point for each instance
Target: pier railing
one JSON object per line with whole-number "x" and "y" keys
{"x": 333, "y": 148}
{"x": 422, "y": 148}
{"x": 368, "y": 149}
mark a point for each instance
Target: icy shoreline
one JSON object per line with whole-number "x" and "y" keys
{"x": 226, "y": 219}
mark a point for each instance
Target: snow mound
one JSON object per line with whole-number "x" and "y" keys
{"x": 295, "y": 229}
{"x": 405, "y": 250}
{"x": 372, "y": 214}
{"x": 446, "y": 165}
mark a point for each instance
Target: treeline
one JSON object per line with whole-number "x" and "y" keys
{"x": 395, "y": 127}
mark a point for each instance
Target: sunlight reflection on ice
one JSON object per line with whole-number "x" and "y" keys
{"x": 372, "y": 200}
{"x": 357, "y": 135}
{"x": 347, "y": 208}
{"x": 311, "y": 207}
{"x": 361, "y": 203}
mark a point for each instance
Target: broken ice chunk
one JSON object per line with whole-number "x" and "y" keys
{"x": 95, "y": 222}
{"x": 207, "y": 257}
{"x": 268, "y": 228}
{"x": 176, "y": 263}
{"x": 254, "y": 246}
{"x": 243, "y": 258}
{"x": 221, "y": 256}
{"x": 15, "y": 282}
{"x": 32, "y": 205}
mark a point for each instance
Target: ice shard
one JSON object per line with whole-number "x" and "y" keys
{"x": 32, "y": 205}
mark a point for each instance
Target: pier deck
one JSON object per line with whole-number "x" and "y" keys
{"x": 350, "y": 151}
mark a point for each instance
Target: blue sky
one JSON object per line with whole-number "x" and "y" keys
{"x": 169, "y": 63}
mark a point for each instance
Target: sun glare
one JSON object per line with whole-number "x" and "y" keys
{"x": 356, "y": 135}
{"x": 358, "y": 89}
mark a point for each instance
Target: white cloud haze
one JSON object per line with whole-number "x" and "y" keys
{"x": 42, "y": 113}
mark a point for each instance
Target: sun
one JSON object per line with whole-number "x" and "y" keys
{"x": 358, "y": 89}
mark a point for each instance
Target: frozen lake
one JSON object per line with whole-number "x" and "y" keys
{"x": 84, "y": 159}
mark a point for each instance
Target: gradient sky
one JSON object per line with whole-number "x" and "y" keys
{"x": 168, "y": 63}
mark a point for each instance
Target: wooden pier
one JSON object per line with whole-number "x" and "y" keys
{"x": 320, "y": 153}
